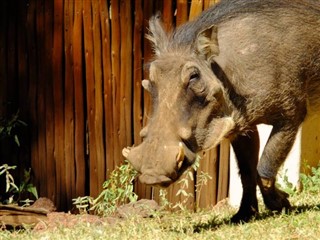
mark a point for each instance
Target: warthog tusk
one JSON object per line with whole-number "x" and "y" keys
{"x": 125, "y": 152}
{"x": 180, "y": 156}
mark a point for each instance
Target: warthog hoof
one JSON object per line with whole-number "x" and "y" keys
{"x": 274, "y": 199}
{"x": 245, "y": 214}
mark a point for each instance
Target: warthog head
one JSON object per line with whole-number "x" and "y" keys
{"x": 189, "y": 112}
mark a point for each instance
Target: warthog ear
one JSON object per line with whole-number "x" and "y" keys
{"x": 207, "y": 42}
{"x": 157, "y": 35}
{"x": 217, "y": 131}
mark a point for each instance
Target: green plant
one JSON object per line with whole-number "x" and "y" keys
{"x": 7, "y": 125}
{"x": 10, "y": 185}
{"x": 184, "y": 181}
{"x": 117, "y": 190}
{"x": 26, "y": 187}
{"x": 83, "y": 203}
{"x": 8, "y": 128}
{"x": 311, "y": 183}
{"x": 284, "y": 183}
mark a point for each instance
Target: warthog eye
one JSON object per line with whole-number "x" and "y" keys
{"x": 195, "y": 76}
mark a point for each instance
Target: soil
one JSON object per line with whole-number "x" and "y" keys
{"x": 43, "y": 215}
{"x": 143, "y": 208}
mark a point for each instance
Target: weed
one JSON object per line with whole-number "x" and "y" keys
{"x": 10, "y": 185}
{"x": 117, "y": 190}
{"x": 311, "y": 183}
{"x": 8, "y": 130}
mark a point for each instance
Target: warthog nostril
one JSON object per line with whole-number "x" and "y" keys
{"x": 180, "y": 155}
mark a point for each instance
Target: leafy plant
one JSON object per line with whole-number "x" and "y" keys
{"x": 8, "y": 125}
{"x": 5, "y": 169}
{"x": 8, "y": 130}
{"x": 117, "y": 190}
{"x": 26, "y": 187}
{"x": 311, "y": 183}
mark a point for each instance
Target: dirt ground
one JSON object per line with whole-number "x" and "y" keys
{"x": 143, "y": 208}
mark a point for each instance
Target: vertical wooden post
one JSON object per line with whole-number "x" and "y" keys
{"x": 69, "y": 101}
{"x": 57, "y": 59}
{"x": 41, "y": 104}
{"x": 90, "y": 97}
{"x": 107, "y": 84}
{"x": 115, "y": 60}
{"x": 125, "y": 101}
{"x": 49, "y": 114}
{"x": 79, "y": 110}
{"x": 98, "y": 96}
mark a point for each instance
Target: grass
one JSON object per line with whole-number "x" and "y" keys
{"x": 301, "y": 223}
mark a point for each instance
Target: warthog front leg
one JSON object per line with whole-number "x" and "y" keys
{"x": 246, "y": 149}
{"x": 275, "y": 152}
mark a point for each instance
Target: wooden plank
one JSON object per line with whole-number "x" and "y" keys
{"x": 206, "y": 196}
{"x": 69, "y": 102}
{"x": 41, "y": 99}
{"x": 137, "y": 71}
{"x": 49, "y": 114}
{"x": 32, "y": 91}
{"x": 125, "y": 76}
{"x": 223, "y": 183}
{"x": 12, "y": 93}
{"x": 79, "y": 123}
{"x": 115, "y": 59}
{"x": 98, "y": 116}
{"x": 107, "y": 84}
{"x": 57, "y": 59}
{"x": 3, "y": 56}
{"x": 142, "y": 190}
{"x": 195, "y": 9}
{"x": 22, "y": 62}
{"x": 182, "y": 12}
{"x": 209, "y": 3}
{"x": 90, "y": 97}
{"x": 167, "y": 14}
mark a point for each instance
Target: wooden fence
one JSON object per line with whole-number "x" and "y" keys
{"x": 74, "y": 68}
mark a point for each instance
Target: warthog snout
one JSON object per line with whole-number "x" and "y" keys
{"x": 175, "y": 158}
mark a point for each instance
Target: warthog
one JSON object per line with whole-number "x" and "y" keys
{"x": 241, "y": 63}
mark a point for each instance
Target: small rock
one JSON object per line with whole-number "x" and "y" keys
{"x": 44, "y": 203}
{"x": 143, "y": 208}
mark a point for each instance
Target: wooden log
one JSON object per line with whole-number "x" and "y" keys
{"x": 98, "y": 113}
{"x": 57, "y": 59}
{"x": 79, "y": 123}
{"x": 69, "y": 101}
{"x": 107, "y": 85}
